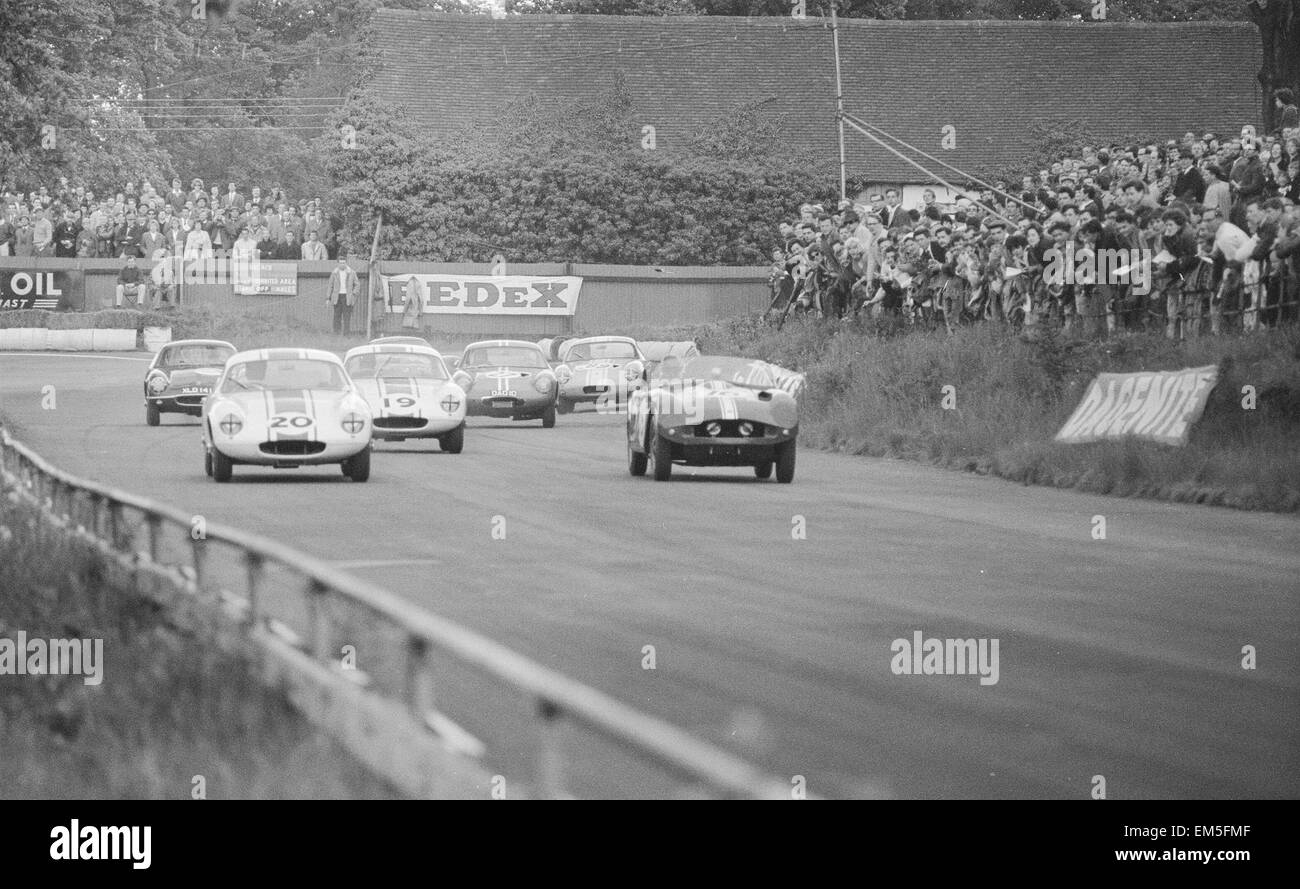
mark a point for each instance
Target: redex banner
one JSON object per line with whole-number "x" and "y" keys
{"x": 23, "y": 289}
{"x": 487, "y": 294}
{"x": 1157, "y": 405}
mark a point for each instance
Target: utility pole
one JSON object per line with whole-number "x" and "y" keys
{"x": 839, "y": 100}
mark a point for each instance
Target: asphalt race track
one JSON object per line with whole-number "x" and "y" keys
{"x": 1118, "y": 657}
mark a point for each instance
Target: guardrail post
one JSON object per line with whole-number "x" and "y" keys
{"x": 419, "y": 681}
{"x": 198, "y": 555}
{"x": 114, "y": 524}
{"x": 254, "y": 569}
{"x": 93, "y": 527}
{"x": 550, "y": 761}
{"x": 320, "y": 625}
{"x": 155, "y": 535}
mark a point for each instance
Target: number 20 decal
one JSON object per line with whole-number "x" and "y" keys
{"x": 297, "y": 421}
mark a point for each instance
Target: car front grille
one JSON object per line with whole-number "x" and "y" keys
{"x": 730, "y": 429}
{"x": 292, "y": 448}
{"x": 400, "y": 422}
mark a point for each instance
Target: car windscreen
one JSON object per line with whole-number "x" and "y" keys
{"x": 592, "y": 351}
{"x": 279, "y": 374}
{"x": 395, "y": 365}
{"x": 503, "y": 356}
{"x": 196, "y": 356}
{"x": 737, "y": 371}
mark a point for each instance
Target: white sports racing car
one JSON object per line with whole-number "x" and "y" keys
{"x": 286, "y": 408}
{"x": 410, "y": 393}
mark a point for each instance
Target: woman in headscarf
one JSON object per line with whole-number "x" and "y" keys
{"x": 413, "y": 308}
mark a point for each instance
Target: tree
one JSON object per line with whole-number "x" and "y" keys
{"x": 1279, "y": 34}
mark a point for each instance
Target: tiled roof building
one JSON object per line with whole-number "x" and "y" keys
{"x": 989, "y": 79}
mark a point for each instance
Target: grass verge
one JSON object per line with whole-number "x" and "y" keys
{"x": 169, "y": 708}
{"x": 878, "y": 392}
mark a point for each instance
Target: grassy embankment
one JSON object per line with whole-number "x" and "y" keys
{"x": 881, "y": 395}
{"x": 170, "y": 706}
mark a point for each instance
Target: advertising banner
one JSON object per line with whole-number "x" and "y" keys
{"x": 1159, "y": 406}
{"x": 485, "y": 294}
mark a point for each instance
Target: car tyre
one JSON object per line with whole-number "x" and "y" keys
{"x": 152, "y": 415}
{"x": 661, "y": 451}
{"x": 207, "y": 463}
{"x": 222, "y": 466}
{"x": 548, "y": 418}
{"x": 763, "y": 470}
{"x": 636, "y": 460}
{"x": 454, "y": 441}
{"x": 563, "y": 407}
{"x": 358, "y": 465}
{"x": 785, "y": 462}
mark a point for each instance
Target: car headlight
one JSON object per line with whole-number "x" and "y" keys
{"x": 231, "y": 424}
{"x": 747, "y": 429}
{"x": 631, "y": 372}
{"x": 714, "y": 428}
{"x": 157, "y": 382}
{"x": 564, "y": 373}
{"x": 543, "y": 382}
{"x": 353, "y": 423}
{"x": 462, "y": 379}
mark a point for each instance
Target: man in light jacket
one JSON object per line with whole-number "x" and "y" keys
{"x": 343, "y": 290}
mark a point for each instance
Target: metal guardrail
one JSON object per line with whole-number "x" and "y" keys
{"x": 102, "y": 511}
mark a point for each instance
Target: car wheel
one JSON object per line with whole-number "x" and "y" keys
{"x": 454, "y": 441}
{"x": 548, "y": 418}
{"x": 785, "y": 462}
{"x": 207, "y": 463}
{"x": 661, "y": 450}
{"x": 563, "y": 407}
{"x": 359, "y": 466}
{"x": 636, "y": 460}
{"x": 222, "y": 466}
{"x": 763, "y": 470}
{"x": 152, "y": 415}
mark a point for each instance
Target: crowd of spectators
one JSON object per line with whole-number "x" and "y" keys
{"x": 140, "y": 221}
{"x": 1215, "y": 220}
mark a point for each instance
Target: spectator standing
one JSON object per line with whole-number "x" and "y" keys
{"x": 65, "y": 235}
{"x": 289, "y": 247}
{"x": 1288, "y": 115}
{"x": 198, "y": 244}
{"x": 1218, "y": 194}
{"x": 87, "y": 243}
{"x": 152, "y": 240}
{"x": 275, "y": 223}
{"x": 343, "y": 290}
{"x": 42, "y": 235}
{"x": 1246, "y": 181}
{"x": 7, "y": 230}
{"x": 177, "y": 197}
{"x": 162, "y": 278}
{"x": 232, "y": 199}
{"x": 130, "y": 283}
{"x": 1189, "y": 186}
{"x": 413, "y": 307}
{"x": 24, "y": 237}
{"x": 312, "y": 249}
{"x": 265, "y": 245}
{"x": 293, "y": 222}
